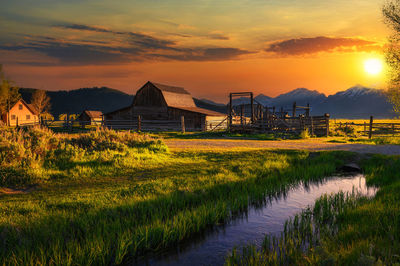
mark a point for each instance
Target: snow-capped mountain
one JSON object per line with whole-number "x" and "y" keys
{"x": 355, "y": 102}
{"x": 301, "y": 96}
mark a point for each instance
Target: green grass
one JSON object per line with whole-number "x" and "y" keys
{"x": 341, "y": 229}
{"x": 108, "y": 197}
{"x": 382, "y": 140}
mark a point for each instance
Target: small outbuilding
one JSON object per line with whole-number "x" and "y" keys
{"x": 21, "y": 114}
{"x": 156, "y": 101}
{"x": 88, "y": 117}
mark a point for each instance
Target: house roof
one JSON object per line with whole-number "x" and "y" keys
{"x": 199, "y": 110}
{"x": 93, "y": 114}
{"x": 175, "y": 96}
{"x": 32, "y": 108}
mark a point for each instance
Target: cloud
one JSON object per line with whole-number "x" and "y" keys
{"x": 139, "y": 39}
{"x": 303, "y": 46}
{"x": 118, "y": 48}
{"x": 71, "y": 53}
{"x": 205, "y": 54}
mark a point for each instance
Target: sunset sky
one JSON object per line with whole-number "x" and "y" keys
{"x": 210, "y": 47}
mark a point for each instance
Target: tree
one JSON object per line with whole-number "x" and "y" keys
{"x": 41, "y": 101}
{"x": 391, "y": 13}
{"x": 9, "y": 94}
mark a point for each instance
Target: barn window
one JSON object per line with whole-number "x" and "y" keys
{"x": 28, "y": 117}
{"x": 12, "y": 117}
{"x": 20, "y": 107}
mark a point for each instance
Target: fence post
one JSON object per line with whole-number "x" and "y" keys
{"x": 371, "y": 121}
{"x": 327, "y": 124}
{"x": 252, "y": 107}
{"x": 308, "y": 110}
{"x": 393, "y": 129}
{"x": 241, "y": 114}
{"x": 17, "y": 122}
{"x": 139, "y": 123}
{"x": 183, "y": 124}
{"x": 294, "y": 109}
{"x": 365, "y": 127}
{"x": 312, "y": 126}
{"x": 230, "y": 113}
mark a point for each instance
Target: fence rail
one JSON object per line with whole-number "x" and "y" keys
{"x": 140, "y": 124}
{"x": 374, "y": 128}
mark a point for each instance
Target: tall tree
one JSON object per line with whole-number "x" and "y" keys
{"x": 9, "y": 94}
{"x": 41, "y": 101}
{"x": 391, "y": 13}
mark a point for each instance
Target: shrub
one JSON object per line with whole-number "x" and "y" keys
{"x": 305, "y": 134}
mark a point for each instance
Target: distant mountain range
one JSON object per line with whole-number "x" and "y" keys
{"x": 356, "y": 102}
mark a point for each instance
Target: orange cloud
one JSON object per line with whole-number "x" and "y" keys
{"x": 304, "y": 46}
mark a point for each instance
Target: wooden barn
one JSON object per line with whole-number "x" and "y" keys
{"x": 88, "y": 117}
{"x": 21, "y": 114}
{"x": 161, "y": 102}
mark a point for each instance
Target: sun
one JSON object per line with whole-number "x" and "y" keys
{"x": 373, "y": 66}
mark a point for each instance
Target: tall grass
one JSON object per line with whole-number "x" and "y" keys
{"x": 34, "y": 155}
{"x": 341, "y": 229}
{"x": 160, "y": 201}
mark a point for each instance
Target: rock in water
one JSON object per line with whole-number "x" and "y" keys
{"x": 351, "y": 167}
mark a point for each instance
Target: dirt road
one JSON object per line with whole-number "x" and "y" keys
{"x": 312, "y": 145}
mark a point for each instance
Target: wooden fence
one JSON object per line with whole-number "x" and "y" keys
{"x": 139, "y": 124}
{"x": 316, "y": 125}
{"x": 373, "y": 128}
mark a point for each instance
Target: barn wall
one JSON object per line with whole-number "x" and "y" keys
{"x": 151, "y": 113}
{"x": 192, "y": 119}
{"x": 149, "y": 96}
{"x": 123, "y": 114}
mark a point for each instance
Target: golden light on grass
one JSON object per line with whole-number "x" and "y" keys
{"x": 373, "y": 66}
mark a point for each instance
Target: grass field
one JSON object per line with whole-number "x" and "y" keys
{"x": 97, "y": 201}
{"x": 341, "y": 229}
{"x": 105, "y": 197}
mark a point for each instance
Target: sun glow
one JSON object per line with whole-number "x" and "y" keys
{"x": 373, "y": 66}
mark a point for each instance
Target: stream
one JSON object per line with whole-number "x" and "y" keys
{"x": 212, "y": 247}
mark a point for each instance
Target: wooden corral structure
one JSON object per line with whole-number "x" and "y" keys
{"x": 255, "y": 117}
{"x": 89, "y": 117}
{"x": 162, "y": 107}
{"x": 21, "y": 114}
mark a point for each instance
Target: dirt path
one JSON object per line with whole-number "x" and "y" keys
{"x": 312, "y": 145}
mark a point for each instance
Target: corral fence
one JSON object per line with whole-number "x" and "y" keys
{"x": 372, "y": 128}
{"x": 255, "y": 117}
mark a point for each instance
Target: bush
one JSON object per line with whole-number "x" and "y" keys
{"x": 37, "y": 150}
{"x": 305, "y": 134}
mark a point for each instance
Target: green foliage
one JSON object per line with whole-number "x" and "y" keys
{"x": 341, "y": 229}
{"x": 391, "y": 13}
{"x": 305, "y": 134}
{"x": 42, "y": 154}
{"x": 9, "y": 95}
{"x": 146, "y": 206}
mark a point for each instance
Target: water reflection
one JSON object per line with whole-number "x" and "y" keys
{"x": 268, "y": 217}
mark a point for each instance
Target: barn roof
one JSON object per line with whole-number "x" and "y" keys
{"x": 169, "y": 88}
{"x": 93, "y": 114}
{"x": 200, "y": 110}
{"x": 175, "y": 96}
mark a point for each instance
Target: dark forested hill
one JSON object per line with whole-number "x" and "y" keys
{"x": 75, "y": 101}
